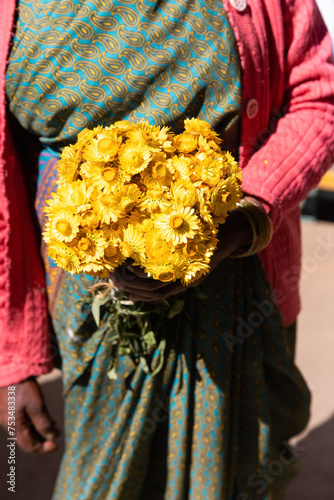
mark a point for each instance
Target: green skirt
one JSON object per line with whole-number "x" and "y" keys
{"x": 214, "y": 423}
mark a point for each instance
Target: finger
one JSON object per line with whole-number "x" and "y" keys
{"x": 31, "y": 441}
{"x": 42, "y": 422}
{"x": 137, "y": 284}
{"x": 160, "y": 294}
{"x": 138, "y": 271}
{"x": 123, "y": 273}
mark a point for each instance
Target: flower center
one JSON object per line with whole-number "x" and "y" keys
{"x": 110, "y": 251}
{"x": 107, "y": 200}
{"x": 190, "y": 249}
{"x": 176, "y": 222}
{"x": 134, "y": 158}
{"x": 128, "y": 205}
{"x": 226, "y": 196}
{"x": 126, "y": 249}
{"x": 85, "y": 244}
{"x": 63, "y": 260}
{"x": 146, "y": 135}
{"x": 156, "y": 194}
{"x": 158, "y": 171}
{"x": 64, "y": 227}
{"x": 114, "y": 226}
{"x": 89, "y": 219}
{"x": 109, "y": 174}
{"x": 107, "y": 146}
{"x": 166, "y": 276}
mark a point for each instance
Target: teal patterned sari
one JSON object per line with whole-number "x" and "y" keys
{"x": 215, "y": 421}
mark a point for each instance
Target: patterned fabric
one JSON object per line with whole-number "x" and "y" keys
{"x": 96, "y": 61}
{"x": 214, "y": 423}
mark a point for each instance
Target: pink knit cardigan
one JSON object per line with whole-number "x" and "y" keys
{"x": 286, "y": 146}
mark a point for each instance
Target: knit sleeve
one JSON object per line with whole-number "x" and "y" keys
{"x": 301, "y": 149}
{"x": 24, "y": 325}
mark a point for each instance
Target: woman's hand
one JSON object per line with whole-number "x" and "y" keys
{"x": 35, "y": 431}
{"x": 233, "y": 234}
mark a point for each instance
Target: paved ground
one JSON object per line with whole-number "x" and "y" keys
{"x": 315, "y": 353}
{"x": 315, "y": 358}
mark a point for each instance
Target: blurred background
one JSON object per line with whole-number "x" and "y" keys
{"x": 35, "y": 476}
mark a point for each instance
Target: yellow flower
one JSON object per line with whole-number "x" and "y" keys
{"x": 133, "y": 244}
{"x": 122, "y": 126}
{"x": 235, "y": 170}
{"x": 157, "y": 174}
{"x": 141, "y": 220}
{"x": 62, "y": 226}
{"x": 185, "y": 143}
{"x": 75, "y": 195}
{"x": 179, "y": 225}
{"x": 137, "y": 191}
{"x": 103, "y": 148}
{"x": 103, "y": 205}
{"x": 194, "y": 249}
{"x": 64, "y": 256}
{"x": 90, "y": 245}
{"x": 112, "y": 257}
{"x": 209, "y": 171}
{"x": 105, "y": 177}
{"x": 114, "y": 230}
{"x": 168, "y": 270}
{"x": 225, "y": 196}
{"x": 180, "y": 166}
{"x": 195, "y": 269}
{"x": 184, "y": 193}
{"x": 89, "y": 220}
{"x": 69, "y": 164}
{"x": 154, "y": 199}
{"x": 126, "y": 198}
{"x": 53, "y": 205}
{"x": 199, "y": 127}
{"x": 154, "y": 137}
{"x": 209, "y": 148}
{"x": 134, "y": 157}
{"x": 208, "y": 233}
{"x": 157, "y": 249}
{"x": 204, "y": 207}
{"x": 86, "y": 135}
{"x": 96, "y": 269}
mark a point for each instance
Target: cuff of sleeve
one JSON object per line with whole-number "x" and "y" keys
{"x": 271, "y": 205}
{"x": 16, "y": 370}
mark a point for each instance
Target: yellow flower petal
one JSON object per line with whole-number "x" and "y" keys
{"x": 134, "y": 157}
{"x": 177, "y": 226}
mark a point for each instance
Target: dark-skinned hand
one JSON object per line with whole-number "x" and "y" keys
{"x": 233, "y": 234}
{"x": 35, "y": 431}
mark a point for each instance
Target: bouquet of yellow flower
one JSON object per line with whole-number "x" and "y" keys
{"x": 137, "y": 191}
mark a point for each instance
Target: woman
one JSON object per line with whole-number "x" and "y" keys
{"x": 214, "y": 423}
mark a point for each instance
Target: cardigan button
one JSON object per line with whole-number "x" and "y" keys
{"x": 252, "y": 108}
{"x": 239, "y": 5}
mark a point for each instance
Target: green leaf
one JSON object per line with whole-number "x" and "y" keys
{"x": 112, "y": 375}
{"x": 162, "y": 347}
{"x": 144, "y": 364}
{"x": 175, "y": 309}
{"x": 149, "y": 338}
{"x": 124, "y": 350}
{"x": 199, "y": 294}
{"x": 96, "y": 304}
